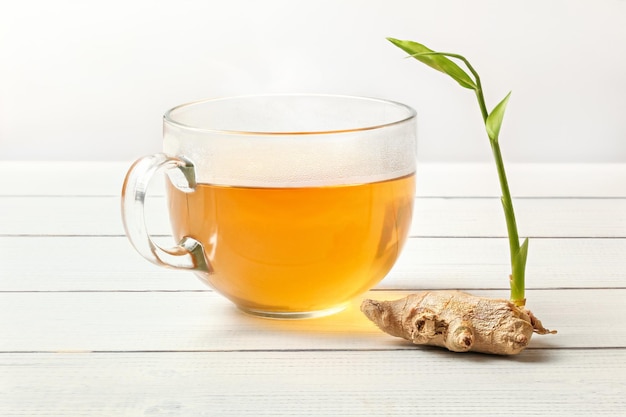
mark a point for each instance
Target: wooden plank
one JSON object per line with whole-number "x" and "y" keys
{"x": 535, "y": 217}
{"x": 83, "y": 263}
{"x": 161, "y": 343}
{"x": 433, "y": 217}
{"x": 62, "y": 178}
{"x": 525, "y": 180}
{"x": 164, "y": 321}
{"x": 327, "y": 383}
{"x": 55, "y": 178}
{"x": 88, "y": 263}
{"x": 484, "y": 263}
{"x": 73, "y": 216}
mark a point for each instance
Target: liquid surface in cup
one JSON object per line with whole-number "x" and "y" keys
{"x": 286, "y": 250}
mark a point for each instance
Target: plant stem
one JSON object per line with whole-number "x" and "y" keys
{"x": 511, "y": 224}
{"x": 517, "y": 269}
{"x": 518, "y": 252}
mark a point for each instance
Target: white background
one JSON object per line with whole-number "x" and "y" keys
{"x": 89, "y": 80}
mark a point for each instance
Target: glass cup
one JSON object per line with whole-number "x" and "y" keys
{"x": 288, "y": 205}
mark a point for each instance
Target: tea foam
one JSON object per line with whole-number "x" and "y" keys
{"x": 297, "y": 160}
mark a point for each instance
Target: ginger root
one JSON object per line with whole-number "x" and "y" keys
{"x": 456, "y": 320}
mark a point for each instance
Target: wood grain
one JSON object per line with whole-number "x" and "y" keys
{"x": 102, "y": 263}
{"x": 163, "y": 321}
{"x": 313, "y": 383}
{"x": 89, "y": 328}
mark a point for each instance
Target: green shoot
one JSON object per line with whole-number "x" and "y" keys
{"x": 441, "y": 62}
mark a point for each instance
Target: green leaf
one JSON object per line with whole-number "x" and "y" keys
{"x": 522, "y": 254}
{"x": 519, "y": 268}
{"x": 435, "y": 60}
{"x": 494, "y": 120}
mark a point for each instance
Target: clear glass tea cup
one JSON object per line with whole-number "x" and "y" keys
{"x": 288, "y": 205}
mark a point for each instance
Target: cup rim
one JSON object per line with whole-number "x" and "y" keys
{"x": 169, "y": 119}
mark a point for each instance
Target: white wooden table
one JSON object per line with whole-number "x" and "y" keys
{"x": 88, "y": 328}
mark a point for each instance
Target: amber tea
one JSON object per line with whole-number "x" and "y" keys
{"x": 296, "y": 249}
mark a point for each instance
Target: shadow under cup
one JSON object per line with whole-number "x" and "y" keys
{"x": 288, "y": 205}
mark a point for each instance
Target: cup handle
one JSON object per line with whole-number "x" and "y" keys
{"x": 189, "y": 253}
